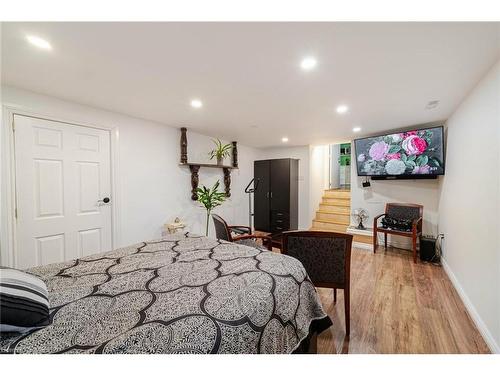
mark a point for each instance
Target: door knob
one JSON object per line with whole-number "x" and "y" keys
{"x": 103, "y": 201}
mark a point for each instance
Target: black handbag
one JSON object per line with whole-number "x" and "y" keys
{"x": 402, "y": 225}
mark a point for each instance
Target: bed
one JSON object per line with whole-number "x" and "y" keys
{"x": 183, "y": 293}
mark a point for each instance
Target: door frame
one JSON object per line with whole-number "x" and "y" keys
{"x": 8, "y": 223}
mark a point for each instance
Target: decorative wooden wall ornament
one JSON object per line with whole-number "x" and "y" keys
{"x": 195, "y": 167}
{"x": 194, "y": 181}
{"x": 227, "y": 181}
{"x": 184, "y": 146}
{"x": 235, "y": 155}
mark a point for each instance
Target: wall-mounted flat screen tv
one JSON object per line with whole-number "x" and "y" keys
{"x": 416, "y": 153}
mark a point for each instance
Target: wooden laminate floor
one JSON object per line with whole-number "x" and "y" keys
{"x": 398, "y": 307}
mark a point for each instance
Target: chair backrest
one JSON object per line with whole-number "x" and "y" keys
{"x": 221, "y": 229}
{"x": 326, "y": 256}
{"x": 407, "y": 211}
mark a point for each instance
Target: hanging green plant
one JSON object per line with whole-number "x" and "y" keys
{"x": 210, "y": 198}
{"x": 221, "y": 151}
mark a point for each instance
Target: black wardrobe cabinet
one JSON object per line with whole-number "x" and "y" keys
{"x": 276, "y": 198}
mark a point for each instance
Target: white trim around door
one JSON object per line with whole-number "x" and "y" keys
{"x": 8, "y": 182}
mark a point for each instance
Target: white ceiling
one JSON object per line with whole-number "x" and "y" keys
{"x": 248, "y": 74}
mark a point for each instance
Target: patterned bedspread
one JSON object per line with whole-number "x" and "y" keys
{"x": 181, "y": 294}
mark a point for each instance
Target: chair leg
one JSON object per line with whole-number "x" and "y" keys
{"x": 385, "y": 240}
{"x": 268, "y": 244}
{"x": 347, "y": 308}
{"x": 334, "y": 295}
{"x": 414, "y": 243}
{"x": 374, "y": 241}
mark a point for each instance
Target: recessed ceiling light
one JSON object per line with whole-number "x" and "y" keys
{"x": 284, "y": 139}
{"x": 342, "y": 109}
{"x": 432, "y": 104}
{"x": 356, "y": 129}
{"x": 38, "y": 42}
{"x": 196, "y": 103}
{"x": 308, "y": 63}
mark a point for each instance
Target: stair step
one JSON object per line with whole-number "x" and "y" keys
{"x": 342, "y": 194}
{"x": 327, "y": 207}
{"x": 329, "y": 221}
{"x": 326, "y": 230}
{"x": 337, "y": 201}
{"x": 343, "y": 218}
{"x": 329, "y": 225}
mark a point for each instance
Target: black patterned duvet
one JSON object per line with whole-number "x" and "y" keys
{"x": 181, "y": 294}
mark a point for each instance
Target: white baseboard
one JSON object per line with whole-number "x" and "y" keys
{"x": 362, "y": 246}
{"x": 481, "y": 326}
{"x": 369, "y": 246}
{"x": 391, "y": 241}
{"x": 395, "y": 243}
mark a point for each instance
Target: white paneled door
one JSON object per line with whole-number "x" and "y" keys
{"x": 63, "y": 191}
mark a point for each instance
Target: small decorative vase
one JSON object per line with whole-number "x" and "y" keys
{"x": 220, "y": 161}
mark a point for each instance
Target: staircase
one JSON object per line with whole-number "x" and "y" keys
{"x": 334, "y": 211}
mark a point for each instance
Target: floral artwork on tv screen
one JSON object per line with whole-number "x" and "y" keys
{"x": 416, "y": 152}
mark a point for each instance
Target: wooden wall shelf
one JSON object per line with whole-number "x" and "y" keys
{"x": 209, "y": 165}
{"x": 195, "y": 167}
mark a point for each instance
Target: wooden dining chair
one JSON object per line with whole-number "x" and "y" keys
{"x": 223, "y": 231}
{"x": 326, "y": 257}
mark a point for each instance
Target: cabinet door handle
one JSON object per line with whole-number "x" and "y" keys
{"x": 271, "y": 195}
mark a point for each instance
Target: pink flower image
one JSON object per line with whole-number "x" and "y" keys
{"x": 396, "y": 156}
{"x": 407, "y": 134}
{"x": 424, "y": 169}
{"x": 414, "y": 145}
{"x": 379, "y": 150}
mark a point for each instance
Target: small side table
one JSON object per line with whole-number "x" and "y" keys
{"x": 175, "y": 226}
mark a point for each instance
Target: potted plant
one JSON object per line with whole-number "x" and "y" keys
{"x": 210, "y": 198}
{"x": 220, "y": 151}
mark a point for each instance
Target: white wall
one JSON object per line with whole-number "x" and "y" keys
{"x": 301, "y": 153}
{"x": 319, "y": 165}
{"x": 153, "y": 188}
{"x": 470, "y": 204}
{"x": 334, "y": 176}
